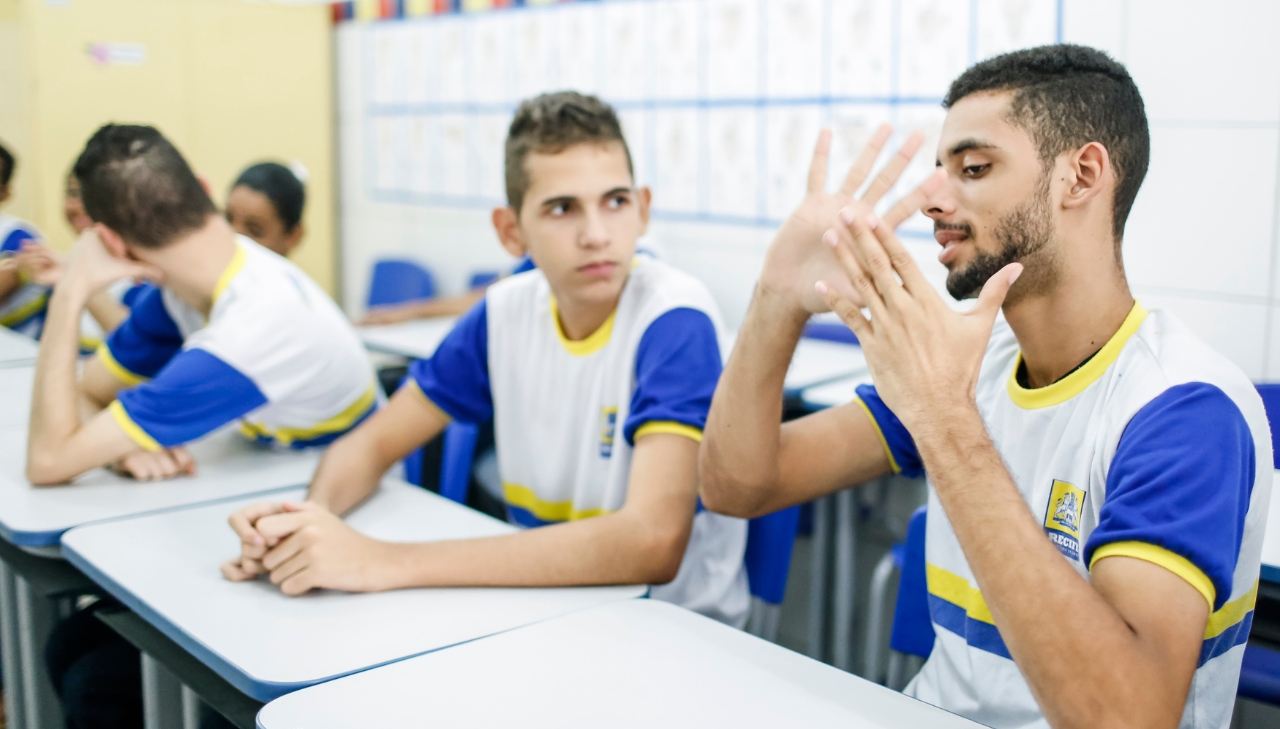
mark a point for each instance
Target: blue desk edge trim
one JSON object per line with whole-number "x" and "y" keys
{"x": 1270, "y": 573}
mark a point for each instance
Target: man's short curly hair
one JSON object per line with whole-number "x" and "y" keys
{"x": 551, "y": 123}
{"x": 1066, "y": 96}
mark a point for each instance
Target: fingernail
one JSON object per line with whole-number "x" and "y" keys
{"x": 872, "y": 222}
{"x": 846, "y": 216}
{"x": 830, "y": 238}
{"x": 820, "y": 287}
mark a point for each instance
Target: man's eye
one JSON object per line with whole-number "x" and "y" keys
{"x": 975, "y": 170}
{"x": 561, "y": 209}
{"x": 617, "y": 201}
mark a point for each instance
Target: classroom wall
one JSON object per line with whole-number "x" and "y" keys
{"x": 1201, "y": 241}
{"x": 229, "y": 82}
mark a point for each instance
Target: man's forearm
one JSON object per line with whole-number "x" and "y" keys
{"x": 739, "y": 455}
{"x": 349, "y": 472}
{"x": 613, "y": 549}
{"x": 55, "y": 407}
{"x": 1086, "y": 649}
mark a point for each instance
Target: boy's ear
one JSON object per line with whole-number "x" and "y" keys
{"x": 506, "y": 223}
{"x": 4, "y": 193}
{"x": 644, "y": 198}
{"x": 112, "y": 241}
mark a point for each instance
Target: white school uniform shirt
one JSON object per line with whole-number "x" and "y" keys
{"x": 275, "y": 353}
{"x": 567, "y": 414}
{"x": 24, "y": 310}
{"x": 1157, "y": 448}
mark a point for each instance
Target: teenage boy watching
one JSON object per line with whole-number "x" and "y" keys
{"x": 597, "y": 368}
{"x": 1099, "y": 476}
{"x": 230, "y": 331}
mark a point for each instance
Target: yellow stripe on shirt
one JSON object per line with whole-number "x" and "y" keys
{"x": 956, "y": 590}
{"x": 523, "y": 497}
{"x": 132, "y": 429}
{"x": 1175, "y": 563}
{"x": 119, "y": 371}
{"x": 893, "y": 462}
{"x": 669, "y": 427}
{"x": 337, "y": 424}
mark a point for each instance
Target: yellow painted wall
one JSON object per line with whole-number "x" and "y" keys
{"x": 229, "y": 82}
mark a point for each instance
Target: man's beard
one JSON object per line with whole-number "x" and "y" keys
{"x": 1023, "y": 235}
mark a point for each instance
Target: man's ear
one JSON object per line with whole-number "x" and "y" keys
{"x": 644, "y": 198}
{"x": 294, "y": 238}
{"x": 112, "y": 241}
{"x": 506, "y": 223}
{"x": 4, "y": 193}
{"x": 1089, "y": 172}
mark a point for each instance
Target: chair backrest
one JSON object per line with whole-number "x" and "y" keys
{"x": 1271, "y": 401}
{"x": 455, "y": 465}
{"x": 768, "y": 558}
{"x": 912, "y": 629}
{"x": 480, "y": 279}
{"x": 396, "y": 281}
{"x": 830, "y": 331}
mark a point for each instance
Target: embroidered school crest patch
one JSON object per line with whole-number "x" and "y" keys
{"x": 1062, "y": 518}
{"x": 608, "y": 425}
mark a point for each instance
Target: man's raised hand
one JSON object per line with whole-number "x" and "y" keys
{"x": 797, "y": 257}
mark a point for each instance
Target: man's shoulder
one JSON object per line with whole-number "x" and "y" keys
{"x": 14, "y": 230}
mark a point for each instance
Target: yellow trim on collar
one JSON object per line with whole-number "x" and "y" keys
{"x": 117, "y": 370}
{"x": 132, "y": 429}
{"x": 337, "y": 424}
{"x": 1175, "y": 563}
{"x": 594, "y": 341}
{"x": 237, "y": 263}
{"x": 893, "y": 462}
{"x": 669, "y": 427}
{"x": 21, "y": 314}
{"x": 523, "y": 497}
{"x": 1231, "y": 613}
{"x": 1076, "y": 382}
{"x": 956, "y": 590}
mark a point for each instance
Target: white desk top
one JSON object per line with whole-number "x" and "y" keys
{"x": 815, "y": 361}
{"x": 17, "y": 350}
{"x": 1271, "y": 540}
{"x": 416, "y": 339}
{"x": 15, "y": 384}
{"x": 227, "y": 466}
{"x": 165, "y": 567}
{"x": 639, "y": 663}
{"x": 834, "y": 393}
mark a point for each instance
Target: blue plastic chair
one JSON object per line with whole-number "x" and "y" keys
{"x": 480, "y": 279}
{"x": 396, "y": 281}
{"x": 830, "y": 331}
{"x": 770, "y": 539}
{"x": 1260, "y": 672}
{"x": 912, "y": 632}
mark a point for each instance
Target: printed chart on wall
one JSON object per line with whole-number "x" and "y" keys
{"x": 721, "y": 100}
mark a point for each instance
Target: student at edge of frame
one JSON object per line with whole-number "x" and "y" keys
{"x": 1098, "y": 475}
{"x": 598, "y": 367}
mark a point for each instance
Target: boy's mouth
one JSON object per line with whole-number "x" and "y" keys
{"x": 598, "y": 269}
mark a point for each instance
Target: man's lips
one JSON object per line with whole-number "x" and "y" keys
{"x": 599, "y": 268}
{"x": 950, "y": 240}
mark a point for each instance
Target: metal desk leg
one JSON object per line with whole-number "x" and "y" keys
{"x": 845, "y": 579}
{"x": 11, "y": 650}
{"x": 162, "y": 704}
{"x": 36, "y": 618}
{"x": 818, "y": 550}
{"x": 192, "y": 709}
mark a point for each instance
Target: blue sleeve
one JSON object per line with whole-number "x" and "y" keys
{"x": 524, "y": 264}
{"x": 131, "y": 296}
{"x": 13, "y": 242}
{"x": 677, "y": 368}
{"x": 1180, "y": 481}
{"x": 195, "y": 394}
{"x": 456, "y": 378}
{"x": 898, "y": 443}
{"x": 143, "y": 343}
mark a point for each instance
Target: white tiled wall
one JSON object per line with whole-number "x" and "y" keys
{"x": 1201, "y": 241}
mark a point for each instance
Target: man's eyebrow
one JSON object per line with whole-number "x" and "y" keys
{"x": 618, "y": 191}
{"x": 968, "y": 145}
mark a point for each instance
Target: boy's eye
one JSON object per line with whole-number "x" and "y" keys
{"x": 559, "y": 209}
{"x": 617, "y": 201}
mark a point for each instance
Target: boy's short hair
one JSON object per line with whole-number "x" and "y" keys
{"x": 281, "y": 186}
{"x": 135, "y": 182}
{"x": 551, "y": 123}
{"x": 7, "y": 165}
{"x": 1066, "y": 96}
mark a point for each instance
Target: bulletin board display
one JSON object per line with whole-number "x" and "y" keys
{"x": 720, "y": 100}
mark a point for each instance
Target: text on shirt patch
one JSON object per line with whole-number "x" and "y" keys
{"x": 608, "y": 425}
{"x": 1062, "y": 518}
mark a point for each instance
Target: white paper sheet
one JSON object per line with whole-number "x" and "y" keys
{"x": 934, "y": 47}
{"x": 676, "y": 152}
{"x": 1006, "y": 25}
{"x": 453, "y": 36}
{"x": 791, "y": 133}
{"x": 851, "y": 127}
{"x": 861, "y": 48}
{"x": 491, "y": 42}
{"x": 635, "y": 128}
{"x": 488, "y": 135}
{"x": 533, "y": 38}
{"x": 627, "y": 59}
{"x": 579, "y": 47}
{"x": 794, "y": 42}
{"x": 677, "y": 38}
{"x": 733, "y": 49}
{"x": 734, "y": 162}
